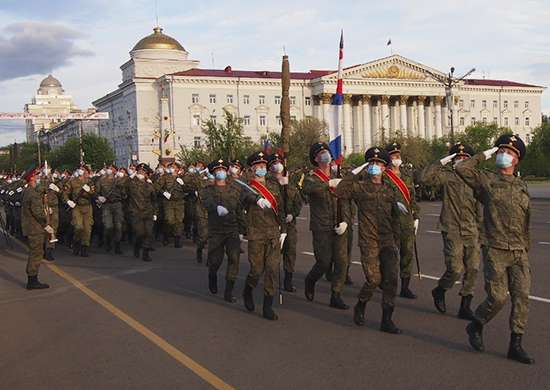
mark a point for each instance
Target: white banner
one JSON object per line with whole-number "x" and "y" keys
{"x": 96, "y": 115}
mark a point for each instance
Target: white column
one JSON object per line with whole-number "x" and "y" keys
{"x": 326, "y": 99}
{"x": 438, "y": 131}
{"x": 367, "y": 122}
{"x": 316, "y": 105}
{"x": 403, "y": 113}
{"x": 346, "y": 124}
{"x": 385, "y": 119}
{"x": 421, "y": 116}
{"x": 357, "y": 127}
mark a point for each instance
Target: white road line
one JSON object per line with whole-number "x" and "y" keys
{"x": 433, "y": 231}
{"x": 301, "y": 218}
{"x": 434, "y": 215}
{"x": 544, "y": 243}
{"x": 308, "y": 253}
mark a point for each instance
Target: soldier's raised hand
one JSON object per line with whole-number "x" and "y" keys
{"x": 445, "y": 160}
{"x": 71, "y": 204}
{"x": 490, "y": 152}
{"x": 86, "y": 187}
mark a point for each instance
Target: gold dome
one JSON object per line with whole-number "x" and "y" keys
{"x": 158, "y": 40}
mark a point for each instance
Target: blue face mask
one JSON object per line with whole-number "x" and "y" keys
{"x": 374, "y": 170}
{"x": 102, "y": 172}
{"x": 47, "y": 171}
{"x": 37, "y": 182}
{"x": 233, "y": 171}
{"x": 190, "y": 170}
{"x": 260, "y": 172}
{"x": 54, "y": 175}
{"x": 210, "y": 176}
{"x": 504, "y": 160}
{"x": 172, "y": 170}
{"x": 109, "y": 172}
{"x": 325, "y": 158}
{"x": 221, "y": 175}
{"x": 80, "y": 172}
{"x": 197, "y": 169}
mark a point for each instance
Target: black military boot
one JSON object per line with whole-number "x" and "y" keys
{"x": 177, "y": 242}
{"x": 100, "y": 241}
{"x": 136, "y": 248}
{"x": 329, "y": 273}
{"x": 108, "y": 243}
{"x": 267, "y": 310}
{"x": 48, "y": 254}
{"x": 199, "y": 255}
{"x": 248, "y": 298}
{"x": 439, "y": 299}
{"x": 76, "y": 248}
{"x": 465, "y": 313}
{"x": 475, "y": 332}
{"x": 287, "y": 283}
{"x": 146, "y": 256}
{"x": 118, "y": 251}
{"x": 387, "y": 324}
{"x": 359, "y": 312}
{"x": 309, "y": 288}
{"x": 34, "y": 284}
{"x": 405, "y": 292}
{"x": 337, "y": 302}
{"x": 349, "y": 280}
{"x": 213, "y": 283}
{"x": 516, "y": 352}
{"x": 165, "y": 238}
{"x": 228, "y": 294}
{"x": 84, "y": 251}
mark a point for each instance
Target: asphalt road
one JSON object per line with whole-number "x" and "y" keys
{"x": 115, "y": 322}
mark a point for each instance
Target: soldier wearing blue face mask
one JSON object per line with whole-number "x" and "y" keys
{"x": 505, "y": 242}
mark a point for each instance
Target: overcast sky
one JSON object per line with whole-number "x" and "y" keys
{"x": 84, "y": 44}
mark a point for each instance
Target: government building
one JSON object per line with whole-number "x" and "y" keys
{"x": 165, "y": 97}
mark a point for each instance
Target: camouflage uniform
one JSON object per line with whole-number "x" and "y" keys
{"x": 112, "y": 211}
{"x": 173, "y": 206}
{"x": 55, "y": 194}
{"x": 82, "y": 218}
{"x": 33, "y": 224}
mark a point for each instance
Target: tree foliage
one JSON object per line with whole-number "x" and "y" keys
{"x": 228, "y": 139}
{"x": 97, "y": 153}
{"x": 537, "y": 158}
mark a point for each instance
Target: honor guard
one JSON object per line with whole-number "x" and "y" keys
{"x": 54, "y": 196}
{"x": 110, "y": 195}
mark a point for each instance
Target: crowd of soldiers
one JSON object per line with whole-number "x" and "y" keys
{"x": 219, "y": 204}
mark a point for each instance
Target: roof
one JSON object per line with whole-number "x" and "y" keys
{"x": 265, "y": 74}
{"x": 158, "y": 40}
{"x": 498, "y": 83}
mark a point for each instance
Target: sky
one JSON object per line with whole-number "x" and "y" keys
{"x": 83, "y": 45}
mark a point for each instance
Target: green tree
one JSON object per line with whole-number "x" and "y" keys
{"x": 481, "y": 136}
{"x": 303, "y": 134}
{"x": 538, "y": 152}
{"x": 97, "y": 153}
{"x": 228, "y": 139}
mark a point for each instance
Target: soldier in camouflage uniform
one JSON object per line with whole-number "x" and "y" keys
{"x": 265, "y": 221}
{"x": 197, "y": 181}
{"x": 379, "y": 230}
{"x": 34, "y": 226}
{"x": 328, "y": 229}
{"x": 402, "y": 182}
{"x": 16, "y": 198}
{"x": 110, "y": 195}
{"x": 460, "y": 220}
{"x": 55, "y": 195}
{"x": 226, "y": 227}
{"x": 78, "y": 194}
{"x": 292, "y": 203}
{"x": 505, "y": 241}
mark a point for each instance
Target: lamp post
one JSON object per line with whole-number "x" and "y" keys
{"x": 449, "y": 81}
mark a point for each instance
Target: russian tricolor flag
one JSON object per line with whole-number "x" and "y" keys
{"x": 334, "y": 114}
{"x": 266, "y": 146}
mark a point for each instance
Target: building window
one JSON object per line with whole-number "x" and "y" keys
{"x": 506, "y": 104}
{"x": 526, "y": 104}
{"x": 246, "y": 99}
{"x": 212, "y": 99}
{"x": 261, "y": 99}
{"x": 484, "y": 103}
{"x": 229, "y": 99}
{"x": 495, "y": 119}
{"x": 517, "y": 121}
{"x": 472, "y": 103}
{"x": 293, "y": 100}
{"x": 527, "y": 121}
{"x": 473, "y": 121}
{"x": 506, "y": 121}
{"x": 277, "y": 100}
{"x": 214, "y": 119}
{"x": 262, "y": 120}
{"x": 196, "y": 120}
{"x": 516, "y": 104}
{"x": 528, "y": 138}
{"x": 195, "y": 98}
{"x": 246, "y": 120}
{"x": 461, "y": 121}
{"x": 461, "y": 103}
{"x": 484, "y": 120}
{"x": 279, "y": 121}
{"x": 197, "y": 142}
{"x": 307, "y": 101}
{"x": 495, "y": 104}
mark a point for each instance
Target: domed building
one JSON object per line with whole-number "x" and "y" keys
{"x": 164, "y": 98}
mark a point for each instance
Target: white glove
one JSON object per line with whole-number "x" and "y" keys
{"x": 334, "y": 182}
{"x": 154, "y": 217}
{"x": 180, "y": 182}
{"x": 289, "y": 218}
{"x": 17, "y": 204}
{"x": 341, "y": 228}
{"x": 71, "y": 204}
{"x": 222, "y": 211}
{"x": 402, "y": 208}
{"x": 149, "y": 181}
{"x": 86, "y": 187}
{"x": 53, "y": 187}
{"x": 102, "y": 199}
{"x": 167, "y": 195}
{"x": 132, "y": 175}
{"x": 445, "y": 160}
{"x": 415, "y": 224}
{"x": 359, "y": 169}
{"x": 490, "y": 152}
{"x": 241, "y": 237}
{"x": 282, "y": 239}
{"x": 283, "y": 181}
{"x": 263, "y": 203}
{"x": 49, "y": 229}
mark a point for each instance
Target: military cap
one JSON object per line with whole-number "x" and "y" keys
{"x": 394, "y": 147}
{"x": 33, "y": 170}
{"x": 316, "y": 148}
{"x": 218, "y": 163}
{"x": 145, "y": 167}
{"x": 377, "y": 154}
{"x": 512, "y": 142}
{"x": 274, "y": 158}
{"x": 257, "y": 158}
{"x": 462, "y": 150}
{"x": 238, "y": 162}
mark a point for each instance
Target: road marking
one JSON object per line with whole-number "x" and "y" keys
{"x": 434, "y": 215}
{"x": 433, "y": 231}
{"x": 544, "y": 243}
{"x": 301, "y": 218}
{"x": 309, "y": 253}
{"x": 160, "y": 342}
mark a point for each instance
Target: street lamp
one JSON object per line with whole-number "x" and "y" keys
{"x": 449, "y": 81}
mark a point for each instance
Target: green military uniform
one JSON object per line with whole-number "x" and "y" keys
{"x": 82, "y": 217}
{"x": 173, "y": 189}
{"x": 54, "y": 194}
{"x": 33, "y": 224}
{"x": 198, "y": 182}
{"x": 16, "y": 198}
{"x": 112, "y": 210}
{"x": 505, "y": 242}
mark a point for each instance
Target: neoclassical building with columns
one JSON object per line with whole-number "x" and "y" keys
{"x": 164, "y": 98}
